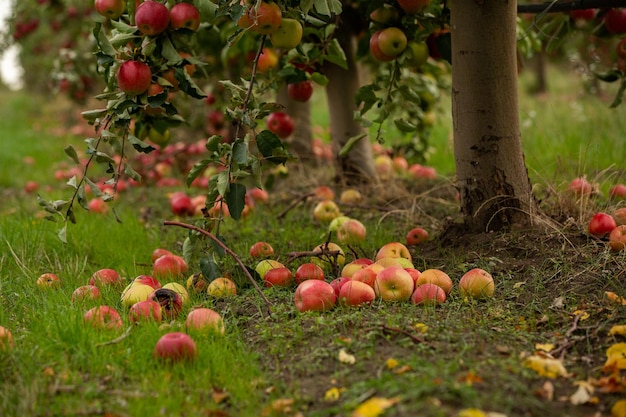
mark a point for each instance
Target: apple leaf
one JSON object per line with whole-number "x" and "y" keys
{"x": 609, "y": 76}
{"x": 102, "y": 41}
{"x": 240, "y": 152}
{"x": 196, "y": 170}
{"x": 306, "y": 5}
{"x": 236, "y": 200}
{"x": 62, "y": 234}
{"x": 271, "y": 147}
{"x": 619, "y": 95}
{"x": 405, "y": 126}
{"x": 131, "y": 173}
{"x": 71, "y": 152}
{"x": 139, "y": 145}
{"x": 327, "y": 7}
{"x": 188, "y": 85}
{"x": 209, "y": 269}
{"x": 336, "y": 55}
{"x": 350, "y": 144}
{"x": 207, "y": 9}
{"x": 223, "y": 183}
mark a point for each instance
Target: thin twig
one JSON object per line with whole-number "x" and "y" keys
{"x": 117, "y": 339}
{"x": 293, "y": 204}
{"x": 416, "y": 339}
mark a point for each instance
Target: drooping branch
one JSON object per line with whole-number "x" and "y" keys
{"x": 566, "y": 6}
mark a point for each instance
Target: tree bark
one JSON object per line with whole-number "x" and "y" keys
{"x": 300, "y": 142}
{"x": 492, "y": 179}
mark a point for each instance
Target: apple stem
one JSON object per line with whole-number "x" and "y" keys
{"x": 227, "y": 250}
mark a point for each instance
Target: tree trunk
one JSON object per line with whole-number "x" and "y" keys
{"x": 492, "y": 178}
{"x": 301, "y": 140}
{"x": 358, "y": 165}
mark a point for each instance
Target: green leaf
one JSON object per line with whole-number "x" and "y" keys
{"x": 62, "y": 234}
{"x": 71, "y": 152}
{"x": 271, "y": 147}
{"x": 327, "y": 7}
{"x": 336, "y": 54}
{"x": 92, "y": 115}
{"x": 139, "y": 145}
{"x": 305, "y": 6}
{"x": 405, "y": 126}
{"x": 223, "y": 183}
{"x": 188, "y": 85}
{"x": 350, "y": 144}
{"x": 102, "y": 41}
{"x": 620, "y": 94}
{"x": 213, "y": 143}
{"x": 196, "y": 170}
{"x": 131, "y": 173}
{"x": 366, "y": 97}
{"x": 319, "y": 79}
{"x": 207, "y": 10}
{"x": 236, "y": 200}
{"x": 609, "y": 76}
{"x": 209, "y": 269}
{"x": 240, "y": 152}
{"x": 123, "y": 27}
{"x": 169, "y": 52}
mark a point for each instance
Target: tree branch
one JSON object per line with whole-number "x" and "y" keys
{"x": 566, "y": 6}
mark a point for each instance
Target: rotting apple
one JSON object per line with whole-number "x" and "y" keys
{"x": 314, "y": 295}
{"x": 355, "y": 293}
{"x": 308, "y": 271}
{"x": 175, "y": 347}
{"x": 437, "y": 277}
{"x": 278, "y": 277}
{"x": 222, "y": 287}
{"x": 197, "y": 283}
{"x": 601, "y": 224}
{"x": 146, "y": 310}
{"x": 152, "y": 18}
{"x": 476, "y": 283}
{"x": 171, "y": 302}
{"x": 204, "y": 320}
{"x": 428, "y": 294}
{"x": 179, "y": 289}
{"x": 394, "y": 284}
{"x": 103, "y": 317}
{"x": 617, "y": 238}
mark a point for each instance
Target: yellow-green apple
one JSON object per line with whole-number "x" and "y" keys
{"x": 580, "y": 187}
{"x": 394, "y": 250}
{"x": 280, "y": 123}
{"x": 428, "y": 294}
{"x": 204, "y": 320}
{"x": 618, "y": 191}
{"x": 620, "y": 216}
{"x": 617, "y": 238}
{"x": 171, "y": 302}
{"x": 314, "y": 295}
{"x": 350, "y": 196}
{"x": 325, "y": 211}
{"x": 265, "y": 265}
{"x": 385, "y": 14}
{"x": 354, "y": 293}
{"x": 351, "y": 232}
{"x": 175, "y": 347}
{"x": 103, "y": 317}
{"x": 351, "y": 268}
{"x": 615, "y": 20}
{"x": 134, "y": 77}
{"x": 261, "y": 250}
{"x": 267, "y": 60}
{"x": 134, "y": 293}
{"x": 105, "y": 277}
{"x": 393, "y": 284}
{"x": 389, "y": 261}
{"x": 48, "y": 280}
{"x": 324, "y": 192}
{"x": 366, "y": 275}
{"x": 375, "y": 48}
{"x": 476, "y": 283}
{"x": 392, "y": 41}
{"x": 337, "y": 283}
{"x": 178, "y": 288}
{"x": 169, "y": 266}
{"x": 222, "y": 287}
{"x": 415, "y": 274}
{"x": 111, "y": 9}
{"x": 601, "y": 224}
{"x": 6, "y": 339}
{"x": 412, "y": 6}
{"x": 300, "y": 91}
{"x": 330, "y": 253}
{"x": 418, "y": 54}
{"x": 437, "y": 277}
{"x": 146, "y": 310}
{"x": 309, "y": 271}
{"x": 147, "y": 280}
{"x": 336, "y": 222}
{"x": 197, "y": 283}
{"x": 288, "y": 35}
{"x": 265, "y": 18}
{"x": 278, "y": 277}
{"x": 184, "y": 15}
{"x": 416, "y": 236}
{"x": 152, "y": 18}
{"x": 85, "y": 292}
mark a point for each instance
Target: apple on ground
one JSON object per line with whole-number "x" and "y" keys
{"x": 280, "y": 124}
{"x": 619, "y": 215}
{"x": 48, "y": 280}
{"x": 394, "y": 284}
{"x": 85, "y": 292}
{"x": 618, "y": 191}
{"x": 324, "y": 192}
{"x": 601, "y": 224}
{"x": 476, "y": 283}
{"x": 146, "y": 310}
{"x": 175, "y": 347}
{"x": 261, "y": 250}
{"x": 134, "y": 77}
{"x": 134, "y": 293}
{"x": 437, "y": 277}
{"x": 171, "y": 302}
{"x": 111, "y": 9}
{"x": 308, "y": 271}
{"x": 355, "y": 293}
{"x": 351, "y": 268}
{"x": 184, "y": 15}
{"x": 428, "y": 294}
{"x": 204, "y": 320}
{"x": 197, "y": 283}
{"x": 222, "y": 287}
{"x": 415, "y": 274}
{"x": 103, "y": 317}
{"x": 329, "y": 254}
{"x": 314, "y": 295}
{"x": 389, "y": 261}
{"x": 180, "y": 203}
{"x": 97, "y": 205}
{"x": 335, "y": 223}
{"x": 580, "y": 187}
{"x": 416, "y": 236}
{"x": 179, "y": 289}
{"x": 158, "y": 252}
{"x": 337, "y": 283}
{"x": 383, "y": 164}
{"x": 394, "y": 250}
{"x": 300, "y": 91}
{"x": 147, "y": 280}
{"x": 265, "y": 265}
{"x": 105, "y": 277}
{"x": 326, "y": 211}
{"x": 169, "y": 266}
{"x": 288, "y": 35}
{"x": 366, "y": 275}
{"x": 351, "y": 232}
{"x": 31, "y": 186}
{"x": 152, "y": 18}
{"x": 617, "y": 238}
{"x": 278, "y": 277}
{"x": 6, "y": 339}
{"x": 259, "y": 195}
{"x": 350, "y": 196}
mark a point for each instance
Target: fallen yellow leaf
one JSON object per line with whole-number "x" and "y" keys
{"x": 345, "y": 357}
{"x": 278, "y": 406}
{"x": 611, "y": 296}
{"x": 333, "y": 394}
{"x": 546, "y": 366}
{"x": 472, "y": 412}
{"x": 615, "y": 358}
{"x": 546, "y": 347}
{"x": 402, "y": 369}
{"x": 618, "y": 329}
{"x": 582, "y": 313}
{"x": 391, "y": 363}
{"x": 583, "y": 394}
{"x": 374, "y": 406}
{"x": 420, "y": 327}
{"x": 619, "y": 409}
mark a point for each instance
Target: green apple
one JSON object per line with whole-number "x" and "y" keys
{"x": 288, "y": 35}
{"x": 418, "y": 54}
{"x": 385, "y": 14}
{"x": 392, "y": 42}
{"x": 161, "y": 139}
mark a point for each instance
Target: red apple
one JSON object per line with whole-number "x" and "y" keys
{"x": 184, "y": 15}
{"x": 278, "y": 277}
{"x": 394, "y": 250}
{"x": 413, "y": 6}
{"x": 300, "y": 91}
{"x": 31, "y": 186}
{"x": 97, "y": 205}
{"x": 583, "y": 14}
{"x": 85, "y": 292}
{"x": 103, "y": 317}
{"x": 175, "y": 347}
{"x": 48, "y": 280}
{"x": 146, "y": 310}
{"x": 324, "y": 192}
{"x": 134, "y": 77}
{"x": 355, "y": 293}
{"x": 476, "y": 283}
{"x": 265, "y": 265}
{"x": 265, "y": 18}
{"x": 428, "y": 294}
{"x": 158, "y": 252}
{"x": 601, "y": 224}
{"x": 314, "y": 295}
{"x": 105, "y": 277}
{"x": 147, "y": 280}
{"x": 392, "y": 42}
{"x": 337, "y": 283}
{"x": 111, "y": 9}
{"x": 152, "y": 17}
{"x": 261, "y": 250}
{"x": 6, "y": 339}
{"x": 416, "y": 236}
{"x": 415, "y": 274}
{"x": 171, "y": 302}
{"x": 308, "y": 271}
{"x": 204, "y": 320}
{"x": 267, "y": 60}
{"x": 169, "y": 266}
{"x": 617, "y": 238}
{"x": 394, "y": 284}
{"x": 375, "y": 48}
{"x": 181, "y": 203}
{"x": 351, "y": 232}
{"x": 281, "y": 124}
{"x": 615, "y": 21}
{"x": 437, "y": 277}
{"x": 580, "y": 186}
{"x": 618, "y": 191}
{"x": 259, "y": 195}
{"x": 366, "y": 275}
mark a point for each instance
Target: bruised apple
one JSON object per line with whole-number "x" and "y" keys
{"x": 171, "y": 302}
{"x": 314, "y": 295}
{"x": 476, "y": 283}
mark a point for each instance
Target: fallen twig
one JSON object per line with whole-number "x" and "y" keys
{"x": 117, "y": 339}
{"x": 416, "y": 339}
{"x": 293, "y": 204}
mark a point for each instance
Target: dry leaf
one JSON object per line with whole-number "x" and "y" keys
{"x": 614, "y": 298}
{"x": 402, "y": 369}
{"x": 546, "y": 391}
{"x": 618, "y": 329}
{"x": 374, "y": 406}
{"x": 545, "y": 366}
{"x": 333, "y": 394}
{"x": 472, "y": 412}
{"x": 546, "y": 347}
{"x": 219, "y": 395}
{"x": 420, "y": 327}
{"x": 583, "y": 394}
{"x": 391, "y": 363}
{"x": 519, "y": 284}
{"x": 582, "y": 313}
{"x": 619, "y": 409}
{"x": 279, "y": 406}
{"x": 345, "y": 357}
{"x": 610, "y": 384}
{"x": 470, "y": 378}
{"x": 615, "y": 358}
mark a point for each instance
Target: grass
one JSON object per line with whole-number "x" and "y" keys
{"x": 456, "y": 356}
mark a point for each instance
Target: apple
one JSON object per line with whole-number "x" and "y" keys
{"x": 601, "y": 224}
{"x": 335, "y": 223}
{"x": 147, "y": 280}
{"x": 152, "y": 18}
{"x": 266, "y": 17}
{"x": 351, "y": 232}
{"x": 419, "y": 54}
{"x": 389, "y": 261}
{"x": 394, "y": 250}
{"x": 400, "y": 164}
{"x": 278, "y": 277}
{"x": 184, "y": 15}
{"x": 326, "y": 258}
{"x": 31, "y": 186}
{"x": 383, "y": 164}
{"x": 145, "y": 310}
{"x": 48, "y": 280}
{"x": 85, "y": 292}
{"x": 179, "y": 289}
{"x": 261, "y": 250}
{"x": 308, "y": 271}
{"x": 180, "y": 203}
{"x": 111, "y": 9}
{"x": 175, "y": 347}
{"x": 416, "y": 236}
{"x": 288, "y": 35}
{"x": 393, "y": 284}
{"x": 204, "y": 320}
{"x": 620, "y": 216}
{"x": 354, "y": 293}
{"x": 412, "y": 6}
{"x": 418, "y": 171}
{"x": 583, "y": 14}
{"x": 103, "y": 317}
{"x": 265, "y": 265}
{"x": 300, "y": 91}
{"x": 197, "y": 283}
{"x": 134, "y": 77}
{"x": 6, "y": 339}
{"x": 105, "y": 277}
{"x": 476, "y": 283}
{"x": 415, "y": 274}
{"x": 437, "y": 277}
{"x": 324, "y": 192}
{"x": 618, "y": 191}
{"x": 169, "y": 266}
{"x": 385, "y": 14}
{"x": 158, "y": 252}
{"x": 428, "y": 294}
{"x": 267, "y": 60}
{"x": 337, "y": 283}
{"x": 366, "y": 275}
{"x": 97, "y": 205}
{"x": 314, "y": 295}
{"x": 351, "y": 268}
{"x": 222, "y": 287}
{"x": 171, "y": 302}
{"x": 615, "y": 21}
{"x": 375, "y": 48}
{"x": 392, "y": 42}
{"x": 617, "y": 238}
{"x": 258, "y": 195}
{"x": 135, "y": 293}
{"x": 326, "y": 211}
{"x": 580, "y": 187}
{"x": 281, "y": 124}
{"x": 350, "y": 196}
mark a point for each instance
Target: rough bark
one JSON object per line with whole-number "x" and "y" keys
{"x": 493, "y": 182}
{"x": 300, "y": 141}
